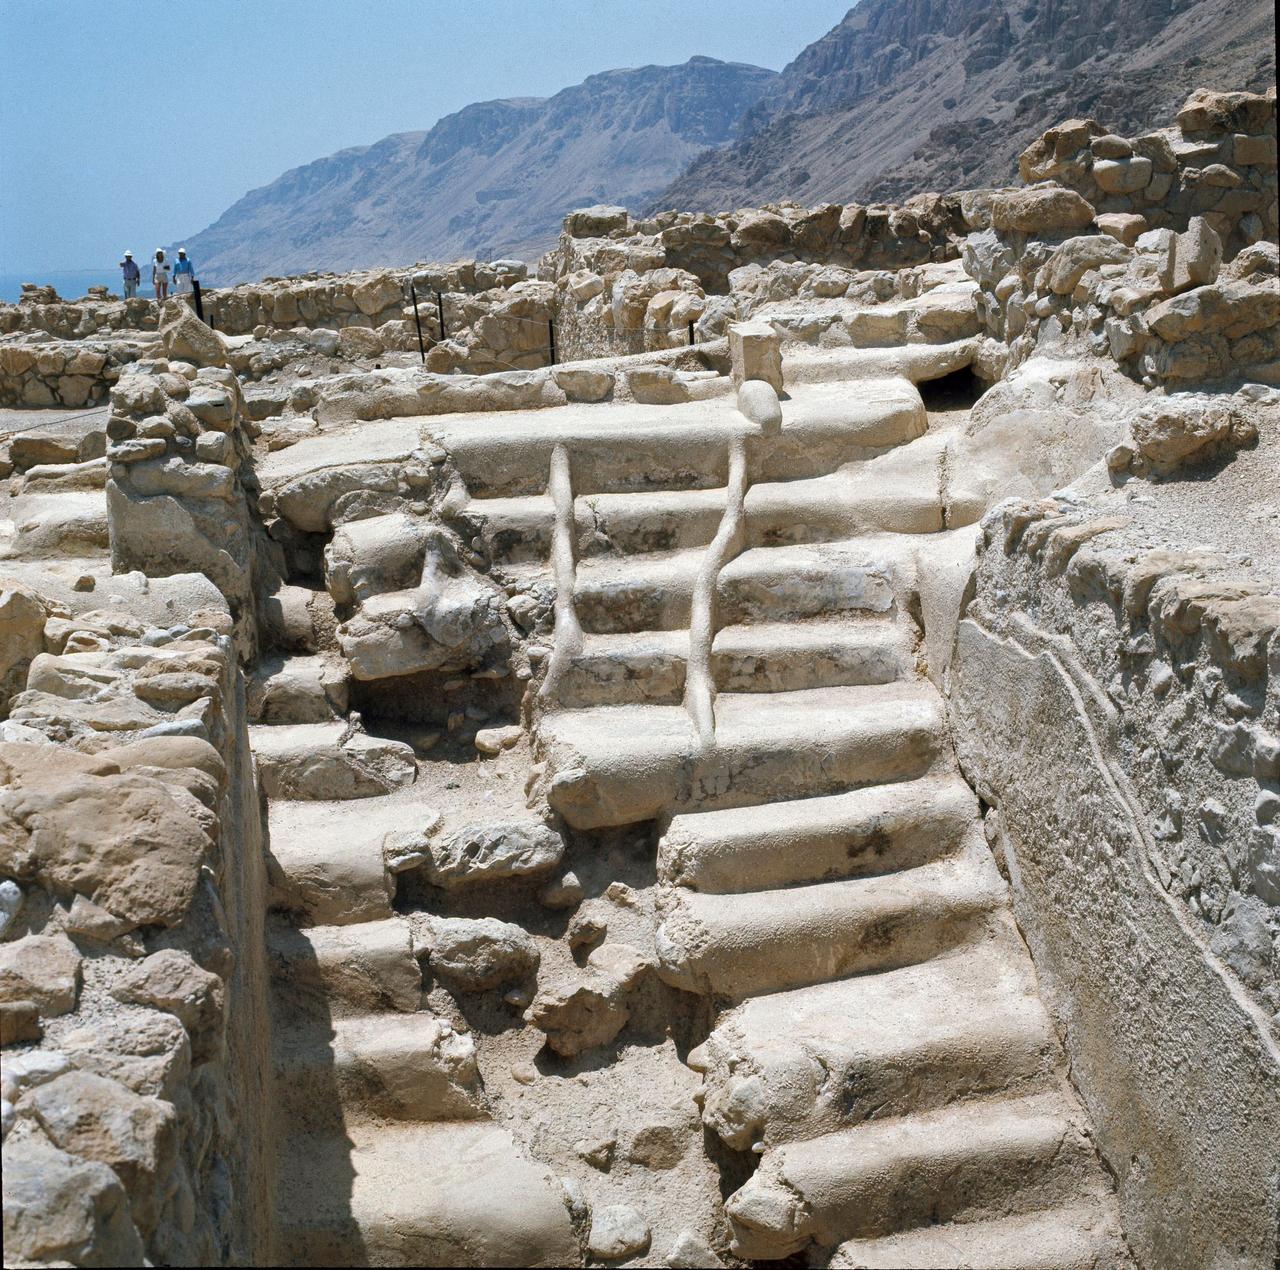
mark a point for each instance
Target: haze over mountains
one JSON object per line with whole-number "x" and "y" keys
{"x": 901, "y": 96}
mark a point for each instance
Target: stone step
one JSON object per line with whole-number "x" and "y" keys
{"x": 879, "y": 829}
{"x": 45, "y": 526}
{"x": 296, "y": 689}
{"x": 328, "y": 761}
{"x": 866, "y": 575}
{"x": 746, "y": 945}
{"x": 899, "y": 492}
{"x": 331, "y": 971}
{"x": 800, "y": 1064}
{"x": 325, "y": 866}
{"x": 964, "y": 1162}
{"x": 616, "y": 765}
{"x": 391, "y": 1066}
{"x": 443, "y": 1194}
{"x": 622, "y": 447}
{"x": 1081, "y": 1236}
{"x": 649, "y": 667}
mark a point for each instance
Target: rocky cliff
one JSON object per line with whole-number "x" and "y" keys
{"x": 495, "y": 177}
{"x": 906, "y": 96}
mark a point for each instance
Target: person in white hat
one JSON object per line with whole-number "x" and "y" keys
{"x": 132, "y": 275}
{"x": 160, "y": 276}
{"x": 184, "y": 274}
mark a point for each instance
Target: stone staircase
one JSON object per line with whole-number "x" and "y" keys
{"x": 880, "y": 1043}
{"x": 387, "y": 1154}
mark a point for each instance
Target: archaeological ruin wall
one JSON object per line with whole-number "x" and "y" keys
{"x": 538, "y": 810}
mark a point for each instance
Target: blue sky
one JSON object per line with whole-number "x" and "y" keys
{"x": 127, "y": 124}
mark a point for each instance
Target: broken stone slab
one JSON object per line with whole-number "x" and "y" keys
{"x": 492, "y": 852}
{"x": 329, "y": 761}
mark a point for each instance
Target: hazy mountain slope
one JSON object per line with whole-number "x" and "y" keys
{"x": 496, "y": 177}
{"x": 904, "y": 96}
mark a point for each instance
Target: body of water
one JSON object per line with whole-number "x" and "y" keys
{"x": 70, "y": 284}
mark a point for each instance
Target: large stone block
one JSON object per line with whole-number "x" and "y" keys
{"x": 755, "y": 352}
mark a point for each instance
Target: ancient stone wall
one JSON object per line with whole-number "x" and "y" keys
{"x": 1176, "y": 282}
{"x": 1140, "y": 835}
{"x": 135, "y": 1115}
{"x": 63, "y": 373}
{"x": 1219, "y": 163}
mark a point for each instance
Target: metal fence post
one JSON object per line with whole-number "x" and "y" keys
{"x": 440, "y": 312}
{"x": 551, "y": 332}
{"x": 417, "y": 321}
{"x": 690, "y": 332}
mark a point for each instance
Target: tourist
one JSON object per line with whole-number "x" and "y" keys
{"x": 160, "y": 276}
{"x": 184, "y": 274}
{"x": 132, "y": 275}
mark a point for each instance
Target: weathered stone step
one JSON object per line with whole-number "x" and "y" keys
{"x": 961, "y": 1163}
{"x": 799, "y": 1064}
{"x": 764, "y": 584}
{"x": 328, "y": 761}
{"x": 745, "y": 945}
{"x": 444, "y": 1194}
{"x": 344, "y": 970}
{"x": 42, "y": 526}
{"x": 388, "y": 1065}
{"x": 628, "y": 447}
{"x": 615, "y": 765}
{"x": 899, "y": 492}
{"x": 878, "y": 829}
{"x": 649, "y": 667}
{"x": 326, "y": 866}
{"x": 1081, "y": 1236}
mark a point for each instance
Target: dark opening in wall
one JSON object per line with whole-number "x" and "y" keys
{"x": 956, "y": 391}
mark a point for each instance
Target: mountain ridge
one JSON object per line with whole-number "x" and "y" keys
{"x": 494, "y": 177}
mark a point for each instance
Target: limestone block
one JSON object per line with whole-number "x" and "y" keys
{"x": 1122, "y": 176}
{"x": 171, "y": 981}
{"x": 584, "y": 384}
{"x": 490, "y": 852}
{"x": 379, "y": 292}
{"x": 480, "y": 953}
{"x": 595, "y": 221}
{"x": 185, "y": 336}
{"x": 755, "y": 352}
{"x": 1197, "y": 256}
{"x": 22, "y": 618}
{"x": 618, "y": 1232}
{"x": 319, "y": 761}
{"x": 42, "y": 969}
{"x": 58, "y": 1208}
{"x": 1124, "y": 227}
{"x": 101, "y": 1120}
{"x": 1040, "y": 209}
{"x": 129, "y": 842}
{"x": 1076, "y": 256}
{"x": 296, "y": 690}
{"x": 656, "y": 385}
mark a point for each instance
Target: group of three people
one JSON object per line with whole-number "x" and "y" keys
{"x": 182, "y": 270}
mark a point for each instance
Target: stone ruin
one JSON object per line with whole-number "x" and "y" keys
{"x": 796, "y": 778}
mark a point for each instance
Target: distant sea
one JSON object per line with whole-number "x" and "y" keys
{"x": 71, "y": 284}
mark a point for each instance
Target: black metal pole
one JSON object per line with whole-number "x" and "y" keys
{"x": 551, "y": 331}
{"x": 440, "y": 311}
{"x": 422, "y": 352}
{"x": 195, "y": 291}
{"x": 690, "y": 332}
